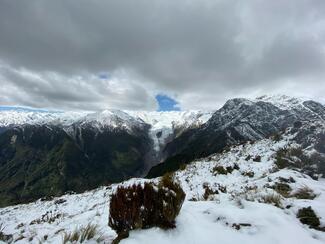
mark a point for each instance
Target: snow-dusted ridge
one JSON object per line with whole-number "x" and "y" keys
{"x": 282, "y": 101}
{"x": 19, "y": 116}
{"x": 158, "y": 120}
{"x": 162, "y": 124}
{"x": 211, "y": 220}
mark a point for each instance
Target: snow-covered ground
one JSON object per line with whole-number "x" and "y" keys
{"x": 212, "y": 218}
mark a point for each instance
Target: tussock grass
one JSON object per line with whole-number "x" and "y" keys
{"x": 282, "y": 188}
{"x": 273, "y": 199}
{"x": 81, "y": 235}
{"x": 304, "y": 193}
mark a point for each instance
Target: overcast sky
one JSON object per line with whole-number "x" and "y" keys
{"x": 91, "y": 55}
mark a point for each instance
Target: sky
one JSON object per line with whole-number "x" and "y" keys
{"x": 166, "y": 103}
{"x": 102, "y": 54}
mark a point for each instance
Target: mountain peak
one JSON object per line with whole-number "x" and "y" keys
{"x": 281, "y": 101}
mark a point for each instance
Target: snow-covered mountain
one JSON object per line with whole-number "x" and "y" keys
{"x": 163, "y": 126}
{"x": 241, "y": 120}
{"x": 81, "y": 151}
{"x": 113, "y": 118}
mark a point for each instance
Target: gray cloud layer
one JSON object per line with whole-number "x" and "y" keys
{"x": 199, "y": 52}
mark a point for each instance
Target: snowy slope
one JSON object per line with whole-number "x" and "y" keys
{"x": 201, "y": 220}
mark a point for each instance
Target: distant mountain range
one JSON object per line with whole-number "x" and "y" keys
{"x": 45, "y": 153}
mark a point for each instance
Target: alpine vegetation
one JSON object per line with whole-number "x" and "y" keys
{"x": 142, "y": 206}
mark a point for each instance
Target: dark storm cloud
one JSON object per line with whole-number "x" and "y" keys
{"x": 199, "y": 52}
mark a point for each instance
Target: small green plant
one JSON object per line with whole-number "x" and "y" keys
{"x": 307, "y": 216}
{"x": 304, "y": 193}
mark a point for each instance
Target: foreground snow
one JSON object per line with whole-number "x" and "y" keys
{"x": 210, "y": 220}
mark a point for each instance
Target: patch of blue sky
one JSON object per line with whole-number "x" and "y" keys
{"x": 167, "y": 103}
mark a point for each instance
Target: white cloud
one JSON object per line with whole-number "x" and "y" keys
{"x": 198, "y": 52}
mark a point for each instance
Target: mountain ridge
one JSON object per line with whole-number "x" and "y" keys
{"x": 93, "y": 149}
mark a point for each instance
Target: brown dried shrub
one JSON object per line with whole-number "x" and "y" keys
{"x": 145, "y": 206}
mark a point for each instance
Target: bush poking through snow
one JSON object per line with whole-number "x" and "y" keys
{"x": 250, "y": 174}
{"x": 277, "y": 137}
{"x": 236, "y": 167}
{"x": 248, "y": 158}
{"x": 258, "y": 158}
{"x": 182, "y": 166}
{"x": 208, "y": 192}
{"x": 296, "y": 158}
{"x": 3, "y": 237}
{"x": 220, "y": 170}
{"x": 81, "y": 235}
{"x": 238, "y": 226}
{"x": 285, "y": 180}
{"x": 145, "y": 206}
{"x": 282, "y": 159}
{"x": 307, "y": 216}
{"x": 273, "y": 199}
{"x": 304, "y": 193}
{"x": 282, "y": 188}
{"x": 48, "y": 217}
